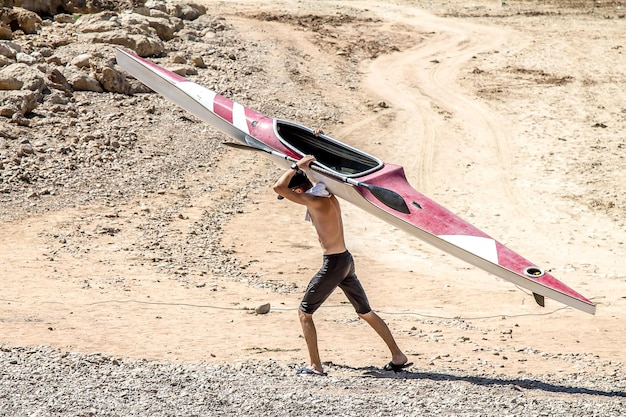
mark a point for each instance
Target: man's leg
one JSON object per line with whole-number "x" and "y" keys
{"x": 397, "y": 357}
{"x": 310, "y": 336}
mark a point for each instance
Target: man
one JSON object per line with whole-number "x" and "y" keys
{"x": 338, "y": 266}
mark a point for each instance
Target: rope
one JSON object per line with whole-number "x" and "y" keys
{"x": 407, "y": 313}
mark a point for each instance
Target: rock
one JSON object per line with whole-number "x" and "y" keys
{"x": 81, "y": 61}
{"x": 197, "y": 61}
{"x": 81, "y": 81}
{"x": 158, "y": 13}
{"x": 4, "y": 61}
{"x": 25, "y": 58}
{"x": 262, "y": 309}
{"x": 183, "y": 70}
{"x": 113, "y": 81}
{"x": 57, "y": 98}
{"x": 52, "y": 7}
{"x": 186, "y": 11}
{"x": 98, "y": 22}
{"x": 5, "y": 31}
{"x": 92, "y": 6}
{"x": 56, "y": 80}
{"x": 27, "y": 77}
{"x": 178, "y": 59}
{"x": 9, "y": 82}
{"x": 64, "y": 18}
{"x": 164, "y": 27}
{"x": 157, "y": 5}
{"x": 49, "y": 7}
{"x": 29, "y": 22}
{"x": 7, "y": 49}
{"x": 7, "y": 110}
{"x": 143, "y": 45}
{"x": 25, "y": 148}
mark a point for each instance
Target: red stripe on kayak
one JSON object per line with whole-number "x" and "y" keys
{"x": 223, "y": 107}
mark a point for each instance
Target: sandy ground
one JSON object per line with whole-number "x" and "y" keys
{"x": 481, "y": 113}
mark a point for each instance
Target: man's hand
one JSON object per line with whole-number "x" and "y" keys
{"x": 317, "y": 131}
{"x": 305, "y": 162}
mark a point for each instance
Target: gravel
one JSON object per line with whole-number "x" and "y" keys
{"x": 41, "y": 381}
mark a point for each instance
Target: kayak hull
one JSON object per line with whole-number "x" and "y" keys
{"x": 424, "y": 218}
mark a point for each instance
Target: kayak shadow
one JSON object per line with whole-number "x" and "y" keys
{"x": 519, "y": 384}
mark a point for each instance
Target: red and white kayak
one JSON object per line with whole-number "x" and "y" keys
{"x": 379, "y": 188}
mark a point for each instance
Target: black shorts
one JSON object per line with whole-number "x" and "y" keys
{"x": 336, "y": 271}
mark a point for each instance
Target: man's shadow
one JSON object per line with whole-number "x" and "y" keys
{"x": 529, "y": 384}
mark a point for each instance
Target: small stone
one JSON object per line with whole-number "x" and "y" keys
{"x": 26, "y": 148}
{"x": 262, "y": 309}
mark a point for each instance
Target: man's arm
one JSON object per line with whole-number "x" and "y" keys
{"x": 281, "y": 186}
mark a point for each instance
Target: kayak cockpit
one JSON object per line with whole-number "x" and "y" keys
{"x": 332, "y": 154}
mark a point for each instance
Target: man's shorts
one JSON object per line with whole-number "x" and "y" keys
{"x": 337, "y": 271}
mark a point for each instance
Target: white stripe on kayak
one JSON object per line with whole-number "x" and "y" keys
{"x": 201, "y": 94}
{"x": 239, "y": 118}
{"x": 479, "y": 246}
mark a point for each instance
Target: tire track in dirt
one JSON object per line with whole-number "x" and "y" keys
{"x": 437, "y": 123}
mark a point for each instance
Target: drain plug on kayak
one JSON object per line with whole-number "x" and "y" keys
{"x": 534, "y": 271}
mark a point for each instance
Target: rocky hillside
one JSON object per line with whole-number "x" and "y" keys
{"x": 69, "y": 122}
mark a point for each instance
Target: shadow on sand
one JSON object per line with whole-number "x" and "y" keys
{"x": 528, "y": 384}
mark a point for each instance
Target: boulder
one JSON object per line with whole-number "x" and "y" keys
{"x": 159, "y": 5}
{"x": 64, "y": 18}
{"x": 92, "y": 6}
{"x": 25, "y": 58}
{"x": 143, "y": 45}
{"x": 113, "y": 81}
{"x": 4, "y": 61}
{"x": 18, "y": 18}
{"x": 185, "y": 11}
{"x": 81, "y": 61}
{"x": 98, "y": 22}
{"x": 164, "y": 27}
{"x": 56, "y": 97}
{"x": 57, "y": 81}
{"x": 81, "y": 81}
{"x": 50, "y": 7}
{"x": 26, "y": 76}
{"x": 18, "y": 102}
{"x": 9, "y": 82}
{"x": 7, "y": 49}
{"x": 5, "y": 31}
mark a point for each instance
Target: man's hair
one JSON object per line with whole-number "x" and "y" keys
{"x": 298, "y": 180}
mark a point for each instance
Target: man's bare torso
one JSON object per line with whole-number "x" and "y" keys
{"x": 326, "y": 218}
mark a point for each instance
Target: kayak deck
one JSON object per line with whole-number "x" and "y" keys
{"x": 333, "y": 155}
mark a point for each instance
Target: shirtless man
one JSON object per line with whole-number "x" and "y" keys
{"x": 338, "y": 266}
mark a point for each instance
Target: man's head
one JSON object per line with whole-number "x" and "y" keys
{"x": 299, "y": 182}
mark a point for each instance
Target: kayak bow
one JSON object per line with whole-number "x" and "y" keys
{"x": 355, "y": 176}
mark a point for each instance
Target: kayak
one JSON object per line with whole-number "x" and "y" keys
{"x": 375, "y": 186}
